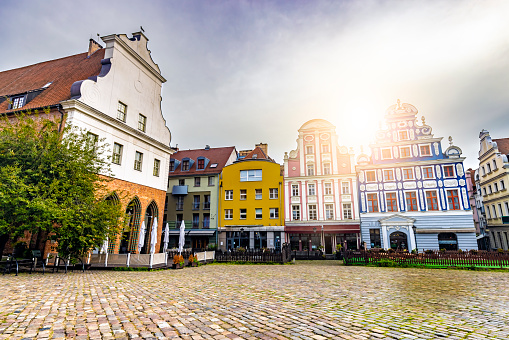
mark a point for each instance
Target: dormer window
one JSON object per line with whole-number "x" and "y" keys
{"x": 172, "y": 165}
{"x": 18, "y": 102}
{"x": 185, "y": 165}
{"x": 201, "y": 164}
{"x": 425, "y": 150}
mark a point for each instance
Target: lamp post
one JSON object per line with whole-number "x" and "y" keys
{"x": 414, "y": 228}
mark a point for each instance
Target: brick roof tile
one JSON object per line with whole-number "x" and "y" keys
{"x": 62, "y": 73}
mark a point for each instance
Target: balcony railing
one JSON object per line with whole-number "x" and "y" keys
{"x": 196, "y": 205}
{"x": 206, "y": 205}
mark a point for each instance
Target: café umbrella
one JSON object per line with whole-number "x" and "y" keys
{"x": 141, "y": 239}
{"x": 182, "y": 238}
{"x": 153, "y": 236}
{"x": 166, "y": 238}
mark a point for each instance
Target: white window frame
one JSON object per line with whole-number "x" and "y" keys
{"x": 228, "y": 195}
{"x": 295, "y": 190}
{"x": 329, "y": 209}
{"x": 258, "y": 213}
{"x": 138, "y": 161}
{"x": 254, "y": 175}
{"x": 327, "y": 188}
{"x": 373, "y": 171}
{"x": 345, "y": 188}
{"x": 273, "y": 193}
{"x": 311, "y": 186}
{"x": 296, "y": 208}
{"x": 228, "y": 214}
{"x": 243, "y": 194}
{"x": 242, "y": 214}
{"x": 315, "y": 212}
{"x": 258, "y": 194}
{"x": 401, "y": 153}
{"x": 453, "y": 171}
{"x": 393, "y": 175}
{"x": 273, "y": 213}
{"x": 116, "y": 158}
{"x": 382, "y": 153}
{"x": 432, "y": 172}
{"x": 157, "y": 167}
{"x": 347, "y": 211}
{"x": 411, "y": 172}
{"x": 420, "y": 150}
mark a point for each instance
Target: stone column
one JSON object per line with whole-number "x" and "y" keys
{"x": 385, "y": 238}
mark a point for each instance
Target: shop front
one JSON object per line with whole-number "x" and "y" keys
{"x": 323, "y": 237}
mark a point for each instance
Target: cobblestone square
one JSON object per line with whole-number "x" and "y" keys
{"x": 309, "y": 300}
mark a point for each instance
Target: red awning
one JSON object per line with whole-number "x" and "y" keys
{"x": 330, "y": 228}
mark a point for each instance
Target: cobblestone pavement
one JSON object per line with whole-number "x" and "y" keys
{"x": 309, "y": 300}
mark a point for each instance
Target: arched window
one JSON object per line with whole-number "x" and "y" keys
{"x": 129, "y": 239}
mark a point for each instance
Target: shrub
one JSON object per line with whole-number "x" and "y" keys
{"x": 386, "y": 263}
{"x": 178, "y": 259}
{"x": 241, "y": 249}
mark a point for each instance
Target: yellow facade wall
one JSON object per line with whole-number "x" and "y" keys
{"x": 271, "y": 179}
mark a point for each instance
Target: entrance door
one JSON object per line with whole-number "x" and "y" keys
{"x": 328, "y": 243}
{"x": 398, "y": 240}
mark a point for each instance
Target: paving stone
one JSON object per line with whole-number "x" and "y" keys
{"x": 309, "y": 300}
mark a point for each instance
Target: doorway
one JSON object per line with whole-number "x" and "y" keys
{"x": 398, "y": 240}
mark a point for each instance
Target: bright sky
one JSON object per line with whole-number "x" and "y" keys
{"x": 244, "y": 72}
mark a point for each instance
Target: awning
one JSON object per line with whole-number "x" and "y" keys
{"x": 195, "y": 232}
{"x": 331, "y": 229}
{"x": 179, "y": 190}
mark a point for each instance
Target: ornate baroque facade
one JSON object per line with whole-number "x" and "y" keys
{"x": 413, "y": 195}
{"x": 321, "y": 190}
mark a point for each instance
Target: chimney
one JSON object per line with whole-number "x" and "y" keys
{"x": 264, "y": 147}
{"x": 92, "y": 47}
{"x": 207, "y": 147}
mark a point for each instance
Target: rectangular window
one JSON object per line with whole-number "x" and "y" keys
{"x": 138, "y": 160}
{"x": 408, "y": 174}
{"x": 243, "y": 214}
{"x": 405, "y": 152}
{"x": 327, "y": 188}
{"x": 312, "y": 212}
{"x": 329, "y": 212}
{"x": 201, "y": 164}
{"x": 500, "y": 212}
{"x": 495, "y": 185}
{"x": 93, "y": 140}
{"x": 296, "y": 212}
{"x": 18, "y": 102}
{"x": 258, "y": 213}
{"x": 388, "y": 175}
{"x": 372, "y": 203}
{"x": 453, "y": 199}
{"x": 157, "y": 166}
{"x": 311, "y": 170}
{"x": 197, "y": 181}
{"x": 206, "y": 220}
{"x": 182, "y": 182}
{"x": 258, "y": 194}
{"x": 370, "y": 176}
{"x": 494, "y": 164}
{"x": 274, "y": 213}
{"x": 325, "y": 148}
{"x": 483, "y": 171}
{"x": 432, "y": 200}
{"x": 142, "y": 123}
{"x": 374, "y": 238}
{"x": 391, "y": 201}
{"x": 117, "y": 153}
{"x": 121, "y": 111}
{"x": 185, "y": 165}
{"x": 180, "y": 203}
{"x": 196, "y": 202}
{"x": 311, "y": 190}
{"x": 196, "y": 220}
{"x": 250, "y": 175}
{"x": 172, "y": 165}
{"x": 489, "y": 189}
{"x": 273, "y": 193}
{"x": 403, "y": 135}
{"x": 506, "y": 208}
{"x": 502, "y": 185}
{"x": 386, "y": 153}
{"x": 345, "y": 188}
{"x": 347, "y": 211}
{"x": 448, "y": 171}
{"x": 309, "y": 149}
{"x": 228, "y": 214}
{"x": 425, "y": 150}
{"x": 489, "y": 167}
{"x": 326, "y": 168}
{"x": 228, "y": 195}
{"x": 411, "y": 201}
{"x": 243, "y": 194}
{"x": 295, "y": 190}
{"x": 211, "y": 181}
{"x": 427, "y": 172}
{"x": 206, "y": 202}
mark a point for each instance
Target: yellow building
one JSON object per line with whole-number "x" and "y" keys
{"x": 251, "y": 203}
{"x": 493, "y": 182}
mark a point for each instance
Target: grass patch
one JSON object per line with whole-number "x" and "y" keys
{"x": 243, "y": 263}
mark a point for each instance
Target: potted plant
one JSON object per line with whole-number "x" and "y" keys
{"x": 192, "y": 261}
{"x": 178, "y": 262}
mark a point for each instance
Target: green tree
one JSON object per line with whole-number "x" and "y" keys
{"x": 54, "y": 182}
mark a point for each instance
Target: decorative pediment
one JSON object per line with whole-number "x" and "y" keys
{"x": 396, "y": 220}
